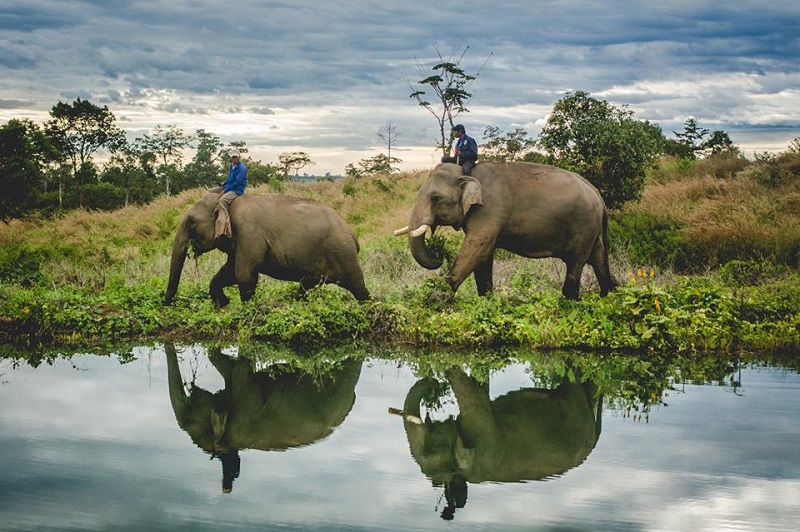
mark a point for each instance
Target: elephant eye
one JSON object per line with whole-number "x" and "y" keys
{"x": 436, "y": 197}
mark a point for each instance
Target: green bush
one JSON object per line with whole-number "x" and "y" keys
{"x": 648, "y": 239}
{"x": 21, "y": 265}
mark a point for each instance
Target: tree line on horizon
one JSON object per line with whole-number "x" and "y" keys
{"x": 50, "y": 168}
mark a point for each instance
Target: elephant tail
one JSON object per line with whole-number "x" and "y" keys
{"x": 612, "y": 282}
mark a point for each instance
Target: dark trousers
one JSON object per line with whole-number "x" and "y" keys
{"x": 466, "y": 165}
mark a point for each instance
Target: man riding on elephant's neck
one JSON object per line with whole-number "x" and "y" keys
{"x": 232, "y": 188}
{"x": 465, "y": 151}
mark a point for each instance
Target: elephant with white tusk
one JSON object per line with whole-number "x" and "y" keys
{"x": 526, "y": 434}
{"x": 285, "y": 237}
{"x": 532, "y": 210}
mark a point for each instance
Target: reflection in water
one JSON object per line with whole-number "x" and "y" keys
{"x": 527, "y": 434}
{"x": 273, "y": 409}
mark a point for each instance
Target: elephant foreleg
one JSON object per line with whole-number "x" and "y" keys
{"x": 475, "y": 255}
{"x": 483, "y": 277}
{"x": 247, "y": 289}
{"x": 224, "y": 277}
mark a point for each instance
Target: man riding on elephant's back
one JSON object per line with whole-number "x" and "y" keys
{"x": 232, "y": 188}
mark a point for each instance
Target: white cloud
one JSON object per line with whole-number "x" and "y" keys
{"x": 324, "y": 77}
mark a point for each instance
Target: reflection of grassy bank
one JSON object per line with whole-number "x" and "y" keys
{"x": 628, "y": 382}
{"x": 101, "y": 276}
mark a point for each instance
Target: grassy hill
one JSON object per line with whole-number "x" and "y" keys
{"x": 708, "y": 239}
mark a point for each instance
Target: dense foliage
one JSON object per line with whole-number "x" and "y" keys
{"x": 604, "y": 144}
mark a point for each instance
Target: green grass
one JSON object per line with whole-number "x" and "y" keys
{"x": 708, "y": 262}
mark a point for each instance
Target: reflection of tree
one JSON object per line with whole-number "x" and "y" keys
{"x": 526, "y": 434}
{"x": 278, "y": 408}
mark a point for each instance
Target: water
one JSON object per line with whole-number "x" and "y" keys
{"x": 89, "y": 442}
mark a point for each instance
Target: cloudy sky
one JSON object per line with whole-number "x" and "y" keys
{"x": 324, "y": 77}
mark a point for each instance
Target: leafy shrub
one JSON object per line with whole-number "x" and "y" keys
{"x": 21, "y": 265}
{"x": 773, "y": 170}
{"x": 648, "y": 239}
{"x": 724, "y": 164}
{"x": 744, "y": 272}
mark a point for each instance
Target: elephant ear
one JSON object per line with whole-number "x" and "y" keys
{"x": 470, "y": 193}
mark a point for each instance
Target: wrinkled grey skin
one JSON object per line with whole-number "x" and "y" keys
{"x": 288, "y": 238}
{"x": 531, "y": 210}
{"x": 269, "y": 410}
{"x": 526, "y": 434}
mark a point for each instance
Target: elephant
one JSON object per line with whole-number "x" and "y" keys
{"x": 526, "y": 434}
{"x": 285, "y": 237}
{"x": 270, "y": 410}
{"x": 532, "y": 210}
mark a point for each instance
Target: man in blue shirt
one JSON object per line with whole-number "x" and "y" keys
{"x": 232, "y": 188}
{"x": 466, "y": 150}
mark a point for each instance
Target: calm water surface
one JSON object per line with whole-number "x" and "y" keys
{"x": 195, "y": 439}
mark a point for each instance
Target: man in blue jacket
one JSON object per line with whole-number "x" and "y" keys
{"x": 232, "y": 188}
{"x": 466, "y": 150}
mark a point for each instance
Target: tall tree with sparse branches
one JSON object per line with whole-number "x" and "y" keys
{"x": 449, "y": 86}
{"x": 388, "y": 134}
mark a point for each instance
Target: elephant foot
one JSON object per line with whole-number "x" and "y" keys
{"x": 220, "y": 301}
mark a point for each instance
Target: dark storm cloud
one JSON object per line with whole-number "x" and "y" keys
{"x": 732, "y": 62}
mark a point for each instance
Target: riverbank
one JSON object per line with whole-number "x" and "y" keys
{"x": 100, "y": 277}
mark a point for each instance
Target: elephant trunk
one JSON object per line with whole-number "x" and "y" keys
{"x": 177, "y": 394}
{"x": 418, "y": 227}
{"x": 179, "y": 248}
{"x": 421, "y": 254}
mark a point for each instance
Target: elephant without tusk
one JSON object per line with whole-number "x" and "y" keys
{"x": 285, "y": 237}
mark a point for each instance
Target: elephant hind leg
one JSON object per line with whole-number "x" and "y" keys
{"x": 359, "y": 290}
{"x": 572, "y": 282}
{"x": 602, "y": 270}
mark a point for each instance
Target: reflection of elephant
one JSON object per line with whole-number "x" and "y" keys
{"x": 285, "y": 237}
{"x": 526, "y": 434}
{"x": 269, "y": 410}
{"x": 529, "y": 209}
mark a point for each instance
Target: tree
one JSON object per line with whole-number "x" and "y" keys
{"x": 499, "y": 146}
{"x": 450, "y": 86}
{"x": 126, "y": 172}
{"x": 692, "y": 142}
{"x": 388, "y": 134}
{"x": 691, "y": 139}
{"x": 604, "y": 144}
{"x": 166, "y": 145}
{"x": 379, "y": 164}
{"x": 719, "y": 143}
{"x": 25, "y": 151}
{"x": 207, "y": 167}
{"x": 78, "y": 130}
{"x": 294, "y": 161}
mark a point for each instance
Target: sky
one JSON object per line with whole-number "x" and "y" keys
{"x": 325, "y": 77}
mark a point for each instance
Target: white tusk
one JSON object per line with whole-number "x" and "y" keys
{"x": 406, "y": 417}
{"x": 398, "y": 232}
{"x": 420, "y": 230}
